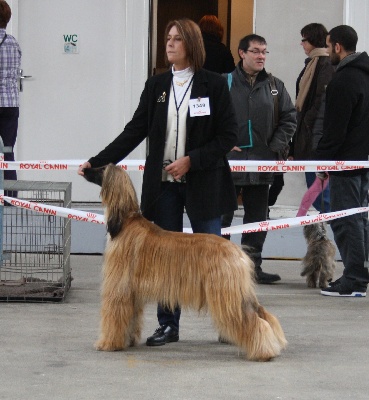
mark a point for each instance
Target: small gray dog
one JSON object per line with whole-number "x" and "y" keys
{"x": 318, "y": 263}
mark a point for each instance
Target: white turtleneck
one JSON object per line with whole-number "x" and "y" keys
{"x": 176, "y": 122}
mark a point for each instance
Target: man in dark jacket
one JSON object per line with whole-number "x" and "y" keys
{"x": 346, "y": 137}
{"x": 263, "y": 132}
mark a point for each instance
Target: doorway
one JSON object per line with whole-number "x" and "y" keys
{"x": 236, "y": 16}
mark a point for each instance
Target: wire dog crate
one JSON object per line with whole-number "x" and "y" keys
{"x": 35, "y": 263}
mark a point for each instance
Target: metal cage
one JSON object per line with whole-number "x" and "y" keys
{"x": 35, "y": 257}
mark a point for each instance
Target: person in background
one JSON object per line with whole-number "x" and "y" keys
{"x": 186, "y": 165}
{"x": 310, "y": 102}
{"x": 10, "y": 61}
{"x": 346, "y": 137}
{"x": 260, "y": 137}
{"x": 218, "y": 56}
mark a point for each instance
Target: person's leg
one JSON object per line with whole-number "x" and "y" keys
{"x": 8, "y": 132}
{"x": 227, "y": 219}
{"x": 275, "y": 189}
{"x": 255, "y": 203}
{"x": 213, "y": 226}
{"x": 351, "y": 232}
{"x": 169, "y": 216}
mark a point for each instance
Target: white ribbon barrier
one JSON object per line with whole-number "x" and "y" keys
{"x": 236, "y": 166}
{"x": 76, "y": 215}
{"x": 269, "y": 225}
{"x": 286, "y": 223}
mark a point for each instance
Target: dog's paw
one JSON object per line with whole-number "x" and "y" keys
{"x": 102, "y": 345}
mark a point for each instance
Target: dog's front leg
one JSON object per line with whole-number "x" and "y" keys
{"x": 116, "y": 322}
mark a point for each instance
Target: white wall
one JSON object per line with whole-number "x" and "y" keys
{"x": 356, "y": 14}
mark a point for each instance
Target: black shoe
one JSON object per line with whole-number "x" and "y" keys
{"x": 265, "y": 278}
{"x": 164, "y": 334}
{"x": 343, "y": 289}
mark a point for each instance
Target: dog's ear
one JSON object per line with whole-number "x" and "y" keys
{"x": 114, "y": 225}
{"x": 94, "y": 175}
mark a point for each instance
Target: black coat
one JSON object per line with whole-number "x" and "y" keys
{"x": 218, "y": 57}
{"x": 209, "y": 188}
{"x": 310, "y": 119}
{"x": 346, "y": 118}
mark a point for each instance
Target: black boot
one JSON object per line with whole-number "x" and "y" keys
{"x": 265, "y": 278}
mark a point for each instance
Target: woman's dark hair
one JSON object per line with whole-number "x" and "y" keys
{"x": 211, "y": 25}
{"x": 192, "y": 41}
{"x": 315, "y": 34}
{"x": 5, "y": 14}
{"x": 344, "y": 35}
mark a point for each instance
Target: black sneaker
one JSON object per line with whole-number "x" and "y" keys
{"x": 265, "y": 278}
{"x": 342, "y": 290}
{"x": 334, "y": 283}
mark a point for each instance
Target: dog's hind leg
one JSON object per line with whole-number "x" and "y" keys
{"x": 260, "y": 336}
{"x": 136, "y": 326}
{"x": 312, "y": 279}
{"x": 263, "y": 337}
{"x": 275, "y": 325}
{"x": 116, "y": 320}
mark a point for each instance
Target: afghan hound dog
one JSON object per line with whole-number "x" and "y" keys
{"x": 318, "y": 264}
{"x": 144, "y": 263}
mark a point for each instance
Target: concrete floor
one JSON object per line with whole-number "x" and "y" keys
{"x": 47, "y": 349}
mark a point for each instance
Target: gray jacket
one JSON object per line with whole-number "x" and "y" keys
{"x": 255, "y": 116}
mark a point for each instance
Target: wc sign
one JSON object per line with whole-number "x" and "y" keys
{"x": 70, "y": 44}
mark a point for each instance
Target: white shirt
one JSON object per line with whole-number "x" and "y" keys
{"x": 179, "y": 97}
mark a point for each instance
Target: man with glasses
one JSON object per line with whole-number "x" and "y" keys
{"x": 263, "y": 132}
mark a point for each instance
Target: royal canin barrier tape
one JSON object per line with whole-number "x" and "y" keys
{"x": 236, "y": 166}
{"x": 269, "y": 225}
{"x": 76, "y": 215}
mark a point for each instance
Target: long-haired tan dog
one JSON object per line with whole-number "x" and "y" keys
{"x": 318, "y": 264}
{"x": 144, "y": 263}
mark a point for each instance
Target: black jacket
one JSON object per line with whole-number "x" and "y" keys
{"x": 346, "y": 118}
{"x": 209, "y": 188}
{"x": 310, "y": 119}
{"x": 218, "y": 56}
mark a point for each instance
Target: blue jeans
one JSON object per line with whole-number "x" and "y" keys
{"x": 351, "y": 232}
{"x": 322, "y": 208}
{"x": 169, "y": 216}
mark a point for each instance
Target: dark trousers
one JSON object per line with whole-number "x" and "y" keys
{"x": 255, "y": 204}
{"x": 275, "y": 189}
{"x": 8, "y": 132}
{"x": 351, "y": 232}
{"x": 169, "y": 216}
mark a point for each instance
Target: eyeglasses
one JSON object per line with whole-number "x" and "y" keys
{"x": 257, "y": 52}
{"x": 304, "y": 40}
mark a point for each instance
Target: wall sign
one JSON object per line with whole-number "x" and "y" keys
{"x": 70, "y": 44}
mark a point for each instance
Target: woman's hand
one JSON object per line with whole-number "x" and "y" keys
{"x": 84, "y": 165}
{"x": 179, "y": 167}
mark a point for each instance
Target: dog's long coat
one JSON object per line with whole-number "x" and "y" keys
{"x": 144, "y": 263}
